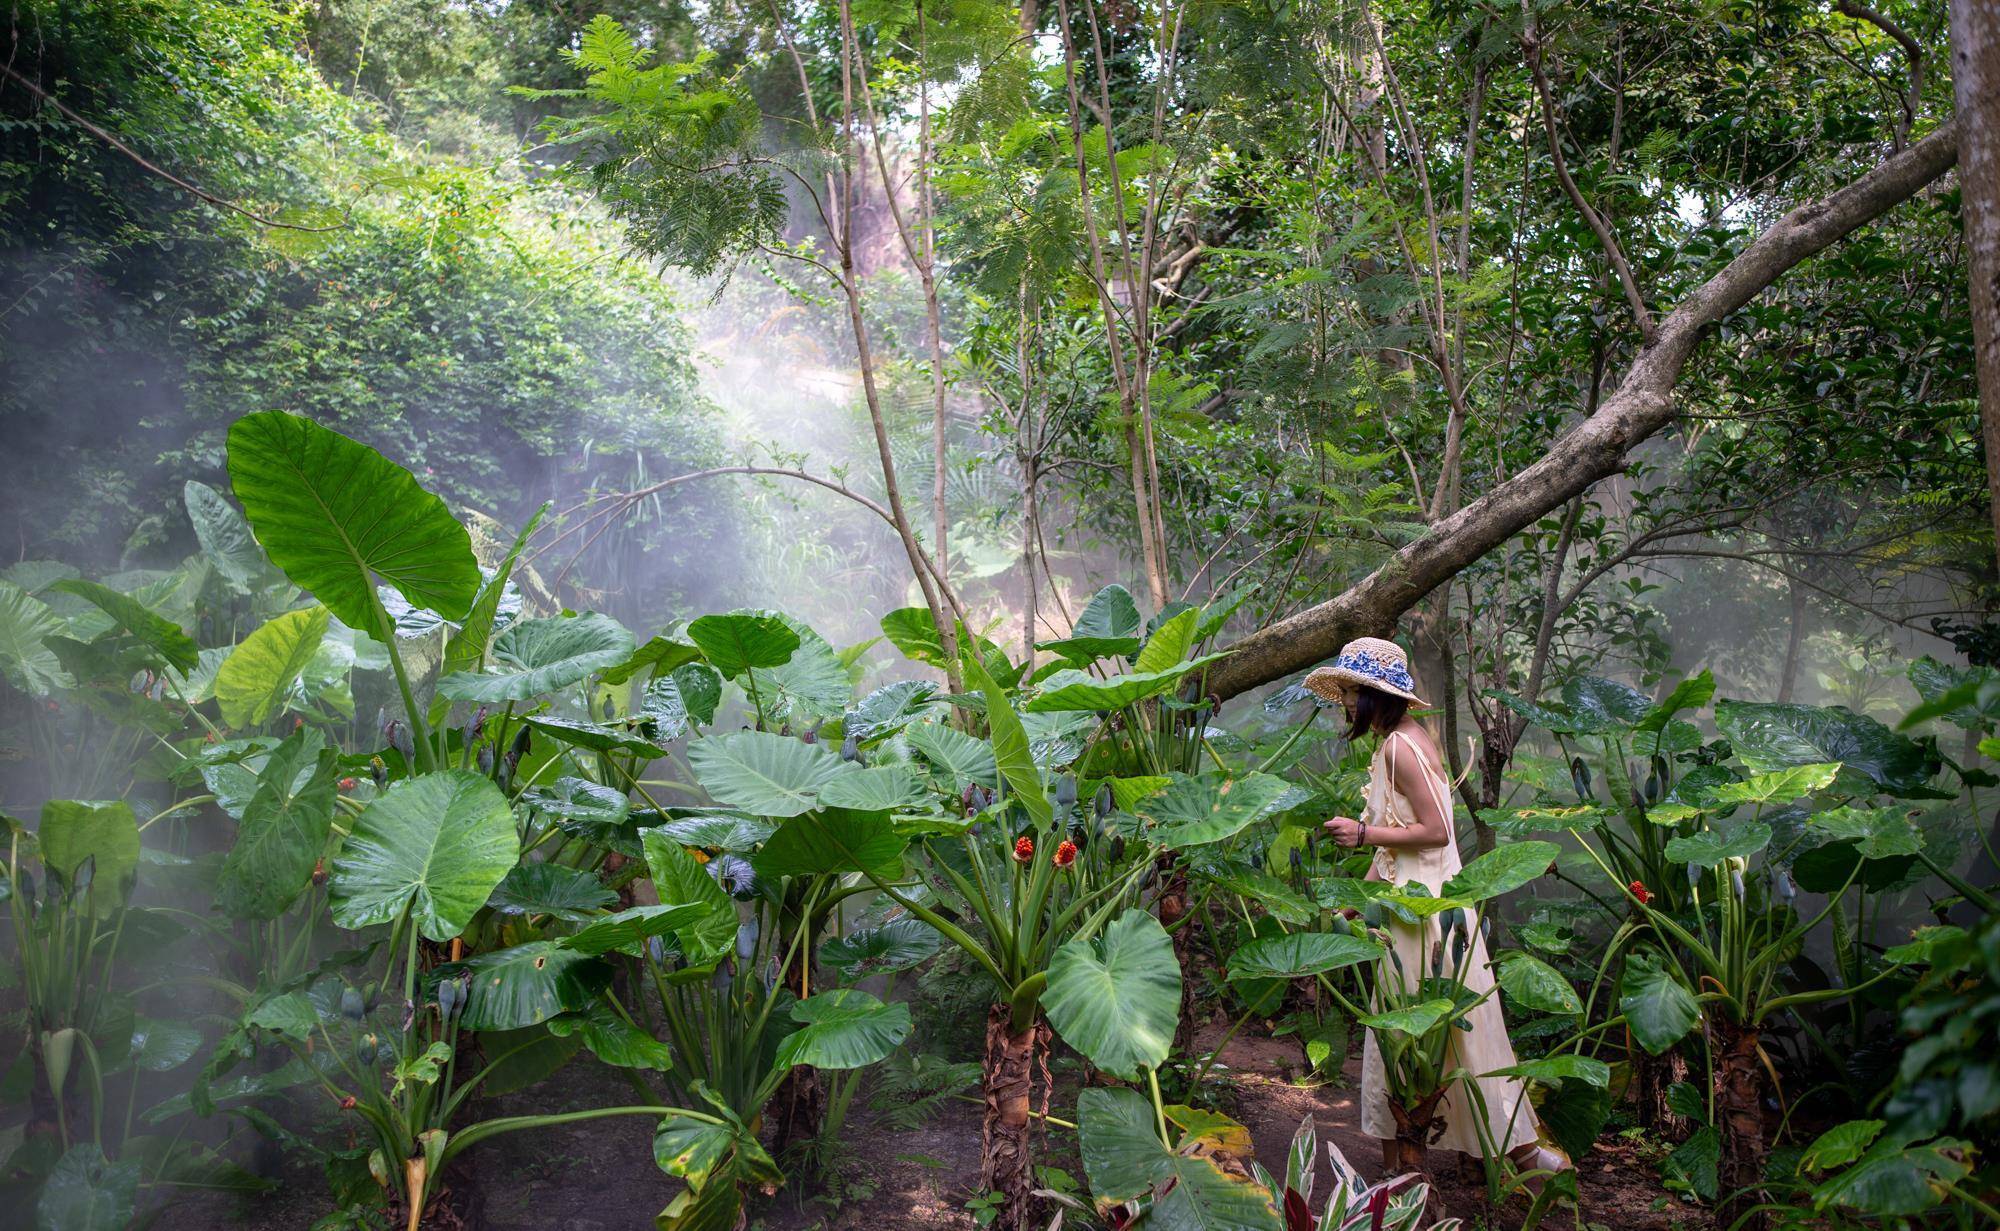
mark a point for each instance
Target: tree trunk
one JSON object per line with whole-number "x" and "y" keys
{"x": 1975, "y": 83}
{"x": 1597, "y": 446}
{"x": 1794, "y": 640}
{"x": 1739, "y": 1115}
{"x": 1416, "y": 1127}
{"x": 1652, "y": 1077}
{"x": 1006, "y": 1129}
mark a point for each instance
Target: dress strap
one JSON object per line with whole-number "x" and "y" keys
{"x": 1439, "y": 795}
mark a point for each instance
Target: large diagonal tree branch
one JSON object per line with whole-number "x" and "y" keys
{"x": 1596, "y": 447}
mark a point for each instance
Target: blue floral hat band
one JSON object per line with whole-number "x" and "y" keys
{"x": 1368, "y": 662}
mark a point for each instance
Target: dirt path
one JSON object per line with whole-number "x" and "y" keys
{"x": 599, "y": 1175}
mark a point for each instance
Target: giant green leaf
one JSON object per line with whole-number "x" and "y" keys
{"x": 1117, "y": 998}
{"x": 630, "y": 928}
{"x": 1896, "y": 1179}
{"x": 1536, "y": 986}
{"x": 87, "y": 1192}
{"x": 1657, "y": 1008}
{"x": 284, "y": 829}
{"x": 811, "y": 684}
{"x": 1710, "y": 847}
{"x": 1296, "y": 955}
{"x": 1777, "y": 736}
{"x": 1194, "y": 810}
{"x": 845, "y": 1028}
{"x": 254, "y": 681}
{"x": 526, "y": 984}
{"x": 552, "y": 890}
{"x": 890, "y": 708}
{"x": 1691, "y": 693}
{"x": 151, "y": 629}
{"x": 1414, "y": 1020}
{"x": 660, "y": 655}
{"x": 832, "y": 841}
{"x": 73, "y": 830}
{"x": 915, "y": 633}
{"x": 679, "y": 881}
{"x": 435, "y": 845}
{"x": 1188, "y": 1188}
{"x": 468, "y": 647}
{"x": 1108, "y": 626}
{"x": 966, "y": 759}
{"x": 762, "y": 772}
{"x": 740, "y": 640}
{"x": 614, "y": 1040}
{"x": 894, "y": 946}
{"x": 1502, "y": 870}
{"x": 1170, "y": 642}
{"x": 533, "y": 657}
{"x": 25, "y": 657}
{"x": 1782, "y": 785}
{"x": 226, "y": 540}
{"x": 1011, "y": 752}
{"x": 595, "y": 737}
{"x": 336, "y": 515}
{"x": 878, "y": 788}
{"x": 1076, "y": 690}
{"x": 1596, "y": 704}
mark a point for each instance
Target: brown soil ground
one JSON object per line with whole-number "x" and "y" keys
{"x": 598, "y": 1175}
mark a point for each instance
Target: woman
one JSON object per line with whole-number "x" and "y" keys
{"x": 1407, "y": 823}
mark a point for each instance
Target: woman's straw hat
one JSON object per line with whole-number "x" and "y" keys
{"x": 1368, "y": 662}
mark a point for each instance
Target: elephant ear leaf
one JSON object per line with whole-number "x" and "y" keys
{"x": 1656, "y": 1006}
{"x": 156, "y": 632}
{"x": 845, "y": 1028}
{"x": 742, "y": 640}
{"x": 283, "y": 831}
{"x": 254, "y": 681}
{"x": 1769, "y": 737}
{"x": 1117, "y": 998}
{"x": 534, "y": 657}
{"x": 1109, "y": 625}
{"x": 336, "y": 515}
{"x": 435, "y": 845}
{"x": 1205, "y": 1181}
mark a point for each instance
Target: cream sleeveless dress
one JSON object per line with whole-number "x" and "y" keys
{"x": 1510, "y": 1118}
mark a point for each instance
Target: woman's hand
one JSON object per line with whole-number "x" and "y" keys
{"x": 1345, "y": 831}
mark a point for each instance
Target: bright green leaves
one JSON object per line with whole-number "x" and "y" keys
{"x": 105, "y": 834}
{"x": 1657, "y": 1008}
{"x": 335, "y": 515}
{"x": 1109, "y": 626}
{"x": 257, "y": 677}
{"x": 1170, "y": 642}
{"x": 915, "y": 633}
{"x": 434, "y": 845}
{"x": 526, "y": 984}
{"x": 161, "y": 636}
{"x": 1536, "y": 986}
{"x": 1411, "y": 1019}
{"x": 844, "y": 1029}
{"x": 1872, "y": 757}
{"x": 736, "y": 642}
{"x": 1202, "y": 1184}
{"x": 1710, "y": 847}
{"x": 1195, "y": 810}
{"x": 26, "y": 623}
{"x": 899, "y": 944}
{"x": 1009, "y": 739}
{"x": 534, "y": 657}
{"x": 1501, "y": 871}
{"x": 833, "y": 841}
{"x": 1296, "y": 955}
{"x": 1117, "y": 998}
{"x": 1076, "y": 690}
{"x": 763, "y": 773}
{"x": 679, "y": 880}
{"x": 878, "y": 788}
{"x": 226, "y": 541}
{"x": 283, "y": 830}
{"x": 1781, "y": 785}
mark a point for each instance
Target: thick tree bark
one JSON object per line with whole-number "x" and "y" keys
{"x": 1596, "y": 447}
{"x": 1975, "y": 83}
{"x": 1008, "y": 1166}
{"x": 1739, "y": 1115}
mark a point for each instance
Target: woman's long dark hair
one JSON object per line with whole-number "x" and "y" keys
{"x": 1376, "y": 712}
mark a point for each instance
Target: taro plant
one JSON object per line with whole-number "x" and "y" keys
{"x": 86, "y": 1049}
{"x": 1715, "y": 934}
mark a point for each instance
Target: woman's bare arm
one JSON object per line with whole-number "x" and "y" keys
{"x": 1432, "y": 829}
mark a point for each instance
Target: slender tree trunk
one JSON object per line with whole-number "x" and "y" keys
{"x": 1975, "y": 83}
{"x": 1739, "y": 1115}
{"x": 1006, "y": 1131}
{"x": 1793, "y": 640}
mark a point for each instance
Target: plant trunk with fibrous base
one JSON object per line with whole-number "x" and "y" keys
{"x": 1739, "y": 1119}
{"x": 1007, "y": 1164}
